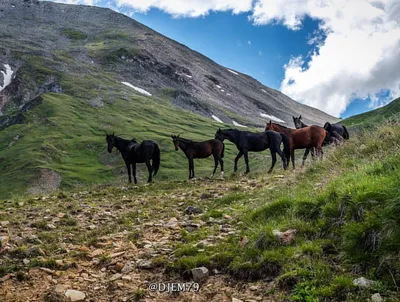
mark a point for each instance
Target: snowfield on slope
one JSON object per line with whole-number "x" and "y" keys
{"x": 272, "y": 117}
{"x": 234, "y": 72}
{"x": 7, "y": 75}
{"x": 217, "y": 118}
{"x": 238, "y": 125}
{"x": 140, "y": 90}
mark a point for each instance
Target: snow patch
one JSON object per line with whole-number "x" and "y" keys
{"x": 218, "y": 86}
{"x": 272, "y": 117}
{"x": 7, "y": 76}
{"x": 222, "y": 90}
{"x": 217, "y": 118}
{"x": 228, "y": 94}
{"x": 238, "y": 125}
{"x": 189, "y": 76}
{"x": 263, "y": 90}
{"x": 140, "y": 90}
{"x": 234, "y": 72}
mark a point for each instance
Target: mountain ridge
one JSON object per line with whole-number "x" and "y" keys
{"x": 150, "y": 59}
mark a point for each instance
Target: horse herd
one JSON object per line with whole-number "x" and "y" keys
{"x": 311, "y": 138}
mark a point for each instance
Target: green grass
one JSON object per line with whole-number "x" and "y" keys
{"x": 346, "y": 213}
{"x": 66, "y": 134}
{"x": 388, "y": 112}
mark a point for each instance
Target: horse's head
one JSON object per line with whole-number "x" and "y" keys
{"x": 297, "y": 122}
{"x": 110, "y": 138}
{"x": 269, "y": 126}
{"x": 175, "y": 139}
{"x": 219, "y": 135}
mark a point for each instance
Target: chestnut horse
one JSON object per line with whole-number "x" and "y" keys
{"x": 200, "y": 150}
{"x": 304, "y": 138}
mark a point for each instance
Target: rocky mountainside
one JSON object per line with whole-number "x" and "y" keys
{"x": 42, "y": 42}
{"x": 70, "y": 73}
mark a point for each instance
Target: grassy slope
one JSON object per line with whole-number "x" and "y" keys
{"x": 66, "y": 134}
{"x": 346, "y": 213}
{"x": 345, "y": 210}
{"x": 390, "y": 111}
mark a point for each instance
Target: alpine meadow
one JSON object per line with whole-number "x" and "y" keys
{"x": 74, "y": 78}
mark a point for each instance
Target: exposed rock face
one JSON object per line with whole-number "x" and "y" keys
{"x": 43, "y": 42}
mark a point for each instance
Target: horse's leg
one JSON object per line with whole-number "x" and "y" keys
{"x": 306, "y": 154}
{"x": 128, "y": 166}
{"x": 192, "y": 167}
{"x": 246, "y": 159}
{"x": 313, "y": 153}
{"x": 215, "y": 165}
{"x": 134, "y": 172}
{"x": 284, "y": 159}
{"x": 320, "y": 153}
{"x": 236, "y": 160}
{"x": 273, "y": 156}
{"x": 150, "y": 170}
{"x": 221, "y": 162}
{"x": 292, "y": 156}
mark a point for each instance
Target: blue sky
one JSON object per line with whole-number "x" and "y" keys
{"x": 340, "y": 57}
{"x": 232, "y": 41}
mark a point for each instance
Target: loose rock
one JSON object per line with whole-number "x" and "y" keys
{"x": 285, "y": 237}
{"x": 75, "y": 295}
{"x": 199, "y": 274}
{"x": 376, "y": 298}
{"x": 363, "y": 282}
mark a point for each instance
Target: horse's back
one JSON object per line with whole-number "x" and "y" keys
{"x": 308, "y": 137}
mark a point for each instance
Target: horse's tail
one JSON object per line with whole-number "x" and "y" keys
{"x": 286, "y": 146}
{"x": 156, "y": 159}
{"x": 345, "y": 133}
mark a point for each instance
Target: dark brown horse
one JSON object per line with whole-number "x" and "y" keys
{"x": 304, "y": 138}
{"x": 193, "y": 150}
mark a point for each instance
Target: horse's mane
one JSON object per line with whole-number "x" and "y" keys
{"x": 281, "y": 126}
{"x": 230, "y": 129}
{"x": 186, "y": 140}
{"x": 126, "y": 140}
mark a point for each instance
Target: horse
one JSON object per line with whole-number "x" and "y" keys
{"x": 338, "y": 128}
{"x": 246, "y": 141}
{"x": 332, "y": 135}
{"x": 305, "y": 138}
{"x": 133, "y": 152}
{"x": 200, "y": 150}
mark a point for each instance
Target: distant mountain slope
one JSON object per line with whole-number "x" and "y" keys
{"x": 390, "y": 111}
{"x": 74, "y": 40}
{"x": 69, "y": 73}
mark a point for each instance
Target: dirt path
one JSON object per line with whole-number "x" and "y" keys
{"x": 111, "y": 243}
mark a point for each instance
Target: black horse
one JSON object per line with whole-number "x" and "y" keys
{"x": 337, "y": 128}
{"x": 200, "y": 150}
{"x": 246, "y": 141}
{"x": 133, "y": 152}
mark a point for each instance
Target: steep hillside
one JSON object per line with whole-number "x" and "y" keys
{"x": 388, "y": 112}
{"x": 70, "y": 73}
{"x": 76, "y": 40}
{"x": 111, "y": 243}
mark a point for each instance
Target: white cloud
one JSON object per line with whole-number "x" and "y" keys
{"x": 357, "y": 45}
{"x": 357, "y": 59}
